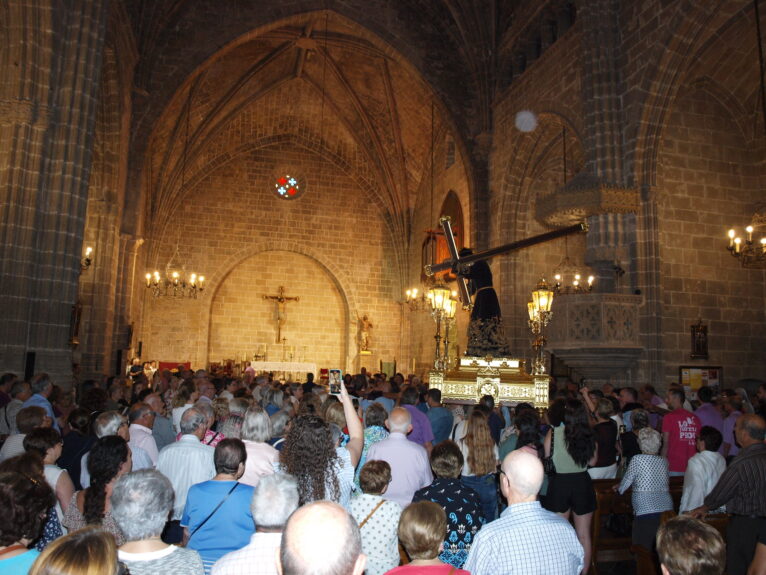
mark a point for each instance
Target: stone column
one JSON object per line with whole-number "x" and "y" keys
{"x": 49, "y": 96}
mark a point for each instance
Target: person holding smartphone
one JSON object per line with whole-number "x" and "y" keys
{"x": 324, "y": 470}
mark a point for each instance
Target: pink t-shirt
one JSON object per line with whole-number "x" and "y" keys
{"x": 682, "y": 428}
{"x": 427, "y": 570}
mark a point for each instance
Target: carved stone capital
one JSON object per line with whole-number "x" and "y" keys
{"x": 585, "y": 196}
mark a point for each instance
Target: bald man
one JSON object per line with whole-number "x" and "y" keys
{"x": 525, "y": 538}
{"x": 410, "y": 468}
{"x": 741, "y": 489}
{"x": 321, "y": 538}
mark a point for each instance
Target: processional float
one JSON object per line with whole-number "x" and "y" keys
{"x": 505, "y": 378}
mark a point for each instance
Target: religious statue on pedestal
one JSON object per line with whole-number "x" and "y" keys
{"x": 485, "y": 330}
{"x": 364, "y": 333}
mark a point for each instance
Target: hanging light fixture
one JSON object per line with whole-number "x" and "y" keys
{"x": 567, "y": 277}
{"x": 176, "y": 282}
{"x": 750, "y": 248}
{"x": 540, "y": 314}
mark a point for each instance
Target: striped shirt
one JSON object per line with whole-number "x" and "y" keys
{"x": 527, "y": 540}
{"x": 740, "y": 487}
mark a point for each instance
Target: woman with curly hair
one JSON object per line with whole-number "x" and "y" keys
{"x": 108, "y": 460}
{"x": 24, "y": 500}
{"x": 323, "y": 469}
{"x": 480, "y": 463}
{"x": 571, "y": 444}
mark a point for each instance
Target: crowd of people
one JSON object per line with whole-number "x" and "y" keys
{"x": 191, "y": 473}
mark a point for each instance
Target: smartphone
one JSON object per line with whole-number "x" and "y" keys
{"x": 336, "y": 377}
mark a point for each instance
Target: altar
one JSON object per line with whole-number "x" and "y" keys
{"x": 505, "y": 379}
{"x": 287, "y": 369}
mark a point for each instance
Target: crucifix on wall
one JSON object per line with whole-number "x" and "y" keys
{"x": 281, "y": 301}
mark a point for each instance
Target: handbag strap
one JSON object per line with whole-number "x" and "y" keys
{"x": 374, "y": 509}
{"x": 217, "y": 507}
{"x": 212, "y": 439}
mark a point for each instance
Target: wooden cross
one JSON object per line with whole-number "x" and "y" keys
{"x": 281, "y": 301}
{"x": 460, "y": 266}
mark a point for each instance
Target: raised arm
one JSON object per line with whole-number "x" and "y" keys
{"x": 355, "y": 429}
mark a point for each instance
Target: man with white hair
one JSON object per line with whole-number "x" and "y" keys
{"x": 112, "y": 423}
{"x": 188, "y": 460}
{"x": 525, "y": 538}
{"x": 321, "y": 538}
{"x": 141, "y": 502}
{"x": 410, "y": 468}
{"x": 274, "y": 500}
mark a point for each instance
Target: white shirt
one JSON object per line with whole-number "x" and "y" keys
{"x": 13, "y": 446}
{"x": 141, "y": 437}
{"x": 184, "y": 463}
{"x": 702, "y": 473}
{"x": 259, "y": 557}
{"x": 379, "y": 539}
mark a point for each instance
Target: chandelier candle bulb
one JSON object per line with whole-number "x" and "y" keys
{"x": 737, "y": 244}
{"x": 749, "y": 230}
{"x": 88, "y": 251}
{"x": 732, "y": 233}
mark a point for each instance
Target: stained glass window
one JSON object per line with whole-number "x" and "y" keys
{"x": 288, "y": 187}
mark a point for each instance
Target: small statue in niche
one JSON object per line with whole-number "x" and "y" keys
{"x": 699, "y": 341}
{"x": 364, "y": 333}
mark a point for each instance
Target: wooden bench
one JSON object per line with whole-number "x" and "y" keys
{"x": 610, "y": 546}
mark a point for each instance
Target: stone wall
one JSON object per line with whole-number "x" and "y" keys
{"x": 329, "y": 247}
{"x": 707, "y": 182}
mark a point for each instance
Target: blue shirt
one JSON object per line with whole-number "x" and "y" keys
{"x": 528, "y": 540}
{"x": 441, "y": 423}
{"x": 228, "y": 529}
{"x": 40, "y": 401}
{"x": 20, "y": 564}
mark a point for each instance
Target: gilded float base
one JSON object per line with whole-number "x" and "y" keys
{"x": 505, "y": 379}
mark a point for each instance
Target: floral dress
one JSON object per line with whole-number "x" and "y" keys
{"x": 74, "y": 519}
{"x": 464, "y": 516}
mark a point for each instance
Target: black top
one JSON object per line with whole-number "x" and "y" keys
{"x": 606, "y": 439}
{"x": 75, "y": 446}
{"x": 485, "y": 304}
{"x": 629, "y": 442}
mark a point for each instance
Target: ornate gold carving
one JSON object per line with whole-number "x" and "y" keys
{"x": 505, "y": 379}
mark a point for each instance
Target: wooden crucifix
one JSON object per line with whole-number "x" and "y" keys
{"x": 460, "y": 265}
{"x": 281, "y": 301}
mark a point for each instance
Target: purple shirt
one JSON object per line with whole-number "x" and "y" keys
{"x": 421, "y": 427}
{"x": 711, "y": 416}
{"x": 410, "y": 468}
{"x": 728, "y": 432}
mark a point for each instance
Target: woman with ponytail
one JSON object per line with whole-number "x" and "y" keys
{"x": 109, "y": 459}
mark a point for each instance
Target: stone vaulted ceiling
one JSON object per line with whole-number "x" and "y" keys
{"x": 375, "y": 68}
